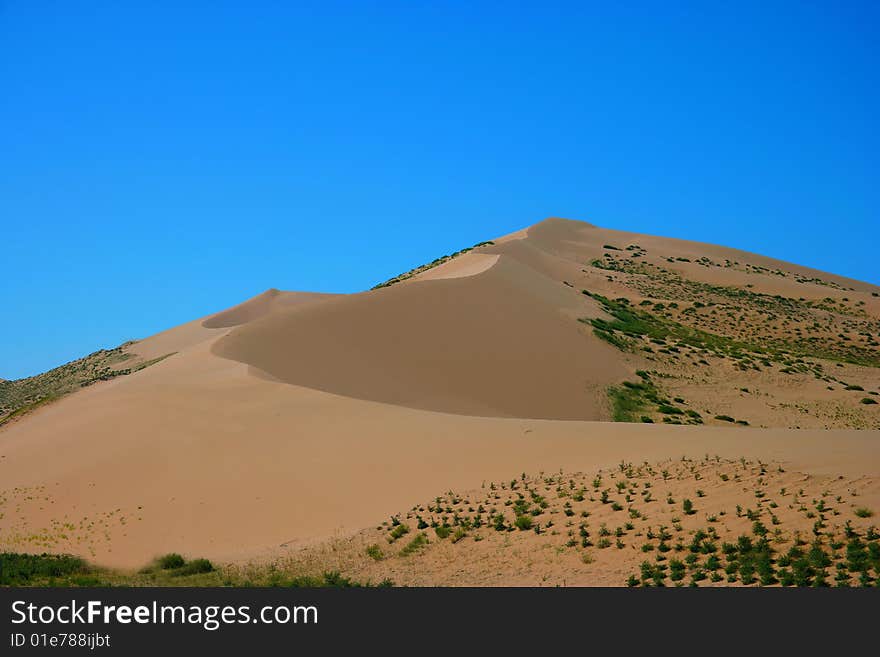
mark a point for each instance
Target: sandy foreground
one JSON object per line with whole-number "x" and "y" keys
{"x": 296, "y": 418}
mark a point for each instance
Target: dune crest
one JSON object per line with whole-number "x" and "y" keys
{"x": 261, "y": 305}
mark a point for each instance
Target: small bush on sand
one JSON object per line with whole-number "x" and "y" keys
{"x": 170, "y": 561}
{"x": 397, "y": 532}
{"x": 194, "y": 567}
{"x": 414, "y": 545}
{"x": 523, "y": 523}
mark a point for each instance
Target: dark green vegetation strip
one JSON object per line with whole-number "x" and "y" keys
{"x": 639, "y": 401}
{"x": 430, "y": 265}
{"x": 658, "y": 282}
{"x": 633, "y": 323}
{"x": 18, "y": 569}
{"x": 629, "y": 324}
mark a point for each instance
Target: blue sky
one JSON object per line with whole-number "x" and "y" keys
{"x": 161, "y": 161}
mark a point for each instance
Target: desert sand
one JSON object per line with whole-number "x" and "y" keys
{"x": 295, "y": 420}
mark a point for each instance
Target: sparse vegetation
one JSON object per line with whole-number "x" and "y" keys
{"x": 23, "y": 396}
{"x": 434, "y": 263}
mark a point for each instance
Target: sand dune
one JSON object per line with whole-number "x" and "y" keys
{"x": 270, "y": 301}
{"x": 491, "y": 344}
{"x": 294, "y": 417}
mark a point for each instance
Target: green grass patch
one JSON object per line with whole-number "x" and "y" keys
{"x": 418, "y": 542}
{"x": 630, "y": 399}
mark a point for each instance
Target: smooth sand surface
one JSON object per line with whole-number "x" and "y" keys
{"x": 469, "y": 264}
{"x": 173, "y": 340}
{"x": 493, "y": 344}
{"x": 261, "y": 305}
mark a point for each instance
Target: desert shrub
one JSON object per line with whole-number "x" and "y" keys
{"x": 868, "y": 400}
{"x": 856, "y": 555}
{"x": 725, "y": 418}
{"x": 443, "y": 531}
{"x": 461, "y": 532}
{"x": 863, "y": 512}
{"x": 523, "y": 523}
{"x": 747, "y": 573}
{"x": 18, "y": 569}
{"x": 613, "y": 339}
{"x": 194, "y": 567}
{"x": 170, "y": 561}
{"x": 786, "y": 578}
{"x": 331, "y": 579}
{"x": 398, "y": 531}
{"x": 374, "y": 552}
{"x": 418, "y": 541}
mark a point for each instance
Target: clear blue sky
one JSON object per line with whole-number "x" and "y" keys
{"x": 158, "y": 163}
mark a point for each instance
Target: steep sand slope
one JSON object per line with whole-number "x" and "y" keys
{"x": 495, "y": 344}
{"x": 185, "y": 336}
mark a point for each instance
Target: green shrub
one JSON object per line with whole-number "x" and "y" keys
{"x": 523, "y": 523}
{"x": 725, "y": 418}
{"x": 331, "y": 579}
{"x": 418, "y": 541}
{"x": 194, "y": 567}
{"x": 374, "y": 552}
{"x": 398, "y": 531}
{"x": 170, "y": 561}
{"x": 863, "y": 512}
{"x": 22, "y": 569}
